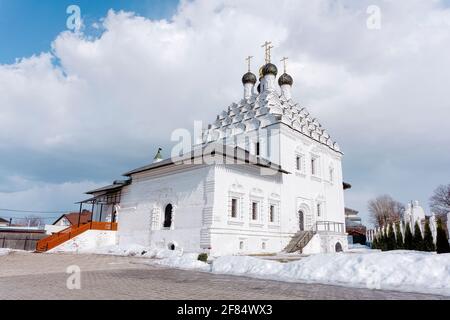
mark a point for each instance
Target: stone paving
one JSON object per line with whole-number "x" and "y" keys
{"x": 43, "y": 276}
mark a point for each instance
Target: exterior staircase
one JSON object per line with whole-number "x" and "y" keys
{"x": 299, "y": 241}
{"x": 59, "y": 238}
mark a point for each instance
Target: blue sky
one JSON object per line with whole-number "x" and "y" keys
{"x": 28, "y": 27}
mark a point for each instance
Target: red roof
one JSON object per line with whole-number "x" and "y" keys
{"x": 85, "y": 217}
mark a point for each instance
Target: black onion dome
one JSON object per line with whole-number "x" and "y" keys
{"x": 270, "y": 68}
{"x": 249, "y": 78}
{"x": 285, "y": 79}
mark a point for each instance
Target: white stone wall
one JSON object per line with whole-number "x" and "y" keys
{"x": 243, "y": 234}
{"x": 141, "y": 213}
{"x": 329, "y": 241}
{"x": 306, "y": 187}
{"x": 313, "y": 246}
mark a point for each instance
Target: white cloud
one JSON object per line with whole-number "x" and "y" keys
{"x": 39, "y": 196}
{"x": 381, "y": 93}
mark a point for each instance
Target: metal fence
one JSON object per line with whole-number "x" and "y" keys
{"x": 20, "y": 241}
{"x": 330, "y": 226}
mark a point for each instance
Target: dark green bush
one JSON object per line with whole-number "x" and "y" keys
{"x": 442, "y": 245}
{"x": 408, "y": 244}
{"x": 203, "y": 257}
{"x": 417, "y": 238}
{"x": 398, "y": 237}
{"x": 428, "y": 244}
{"x": 390, "y": 239}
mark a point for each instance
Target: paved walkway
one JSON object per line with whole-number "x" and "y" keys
{"x": 43, "y": 276}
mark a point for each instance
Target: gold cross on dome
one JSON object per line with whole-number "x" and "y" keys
{"x": 284, "y": 62}
{"x": 267, "y": 47}
{"x": 248, "y": 59}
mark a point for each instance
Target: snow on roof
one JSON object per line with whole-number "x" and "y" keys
{"x": 262, "y": 110}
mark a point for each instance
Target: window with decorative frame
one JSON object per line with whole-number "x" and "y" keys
{"x": 255, "y": 212}
{"x": 300, "y": 162}
{"x": 315, "y": 165}
{"x": 235, "y": 206}
{"x": 273, "y": 212}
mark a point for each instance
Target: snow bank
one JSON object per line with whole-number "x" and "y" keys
{"x": 4, "y": 252}
{"x": 361, "y": 248}
{"x": 394, "y": 270}
{"x": 160, "y": 256}
{"x": 358, "y": 246}
{"x": 186, "y": 261}
{"x": 88, "y": 242}
{"x": 409, "y": 271}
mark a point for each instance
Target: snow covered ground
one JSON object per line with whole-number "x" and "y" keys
{"x": 400, "y": 270}
{"x": 395, "y": 270}
{"x": 4, "y": 252}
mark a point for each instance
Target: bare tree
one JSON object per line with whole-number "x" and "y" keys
{"x": 385, "y": 210}
{"x": 34, "y": 221}
{"x": 440, "y": 201}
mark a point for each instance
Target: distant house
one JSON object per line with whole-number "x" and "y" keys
{"x": 3, "y": 222}
{"x": 354, "y": 227}
{"x": 68, "y": 220}
{"x": 73, "y": 218}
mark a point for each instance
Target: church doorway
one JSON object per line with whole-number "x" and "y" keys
{"x": 301, "y": 220}
{"x": 168, "y": 216}
{"x": 338, "y": 247}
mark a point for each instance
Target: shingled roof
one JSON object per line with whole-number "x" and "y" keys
{"x": 262, "y": 110}
{"x": 85, "y": 217}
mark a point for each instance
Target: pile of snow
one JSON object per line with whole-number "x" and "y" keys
{"x": 4, "y": 252}
{"x": 160, "y": 256}
{"x": 358, "y": 246}
{"x": 395, "y": 270}
{"x": 361, "y": 248}
{"x": 185, "y": 261}
{"x": 88, "y": 242}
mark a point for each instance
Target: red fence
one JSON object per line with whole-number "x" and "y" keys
{"x": 56, "y": 239}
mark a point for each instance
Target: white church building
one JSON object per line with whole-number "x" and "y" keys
{"x": 264, "y": 177}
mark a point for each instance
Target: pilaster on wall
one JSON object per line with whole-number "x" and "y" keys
{"x": 207, "y": 213}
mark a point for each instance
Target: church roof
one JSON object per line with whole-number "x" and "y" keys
{"x": 236, "y": 153}
{"x": 115, "y": 186}
{"x": 262, "y": 110}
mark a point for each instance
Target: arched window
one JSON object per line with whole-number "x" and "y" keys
{"x": 168, "y": 216}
